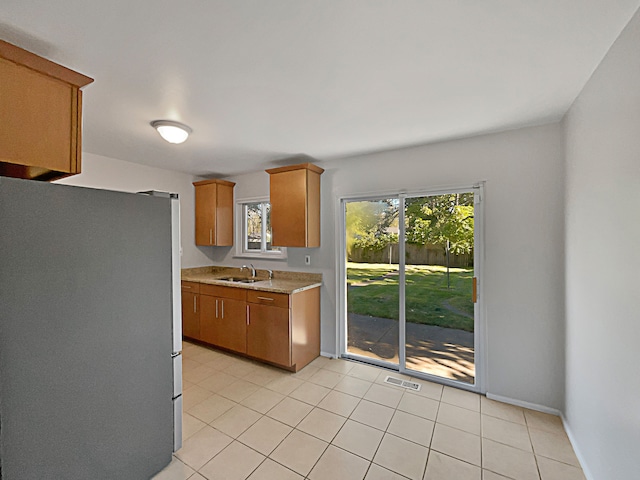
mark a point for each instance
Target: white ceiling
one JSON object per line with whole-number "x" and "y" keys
{"x": 263, "y": 80}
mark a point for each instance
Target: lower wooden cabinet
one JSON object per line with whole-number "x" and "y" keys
{"x": 223, "y": 317}
{"x": 268, "y": 334}
{"x": 277, "y": 328}
{"x": 191, "y": 310}
{"x": 284, "y": 329}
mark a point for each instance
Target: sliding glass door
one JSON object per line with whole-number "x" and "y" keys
{"x": 372, "y": 280}
{"x": 410, "y": 283}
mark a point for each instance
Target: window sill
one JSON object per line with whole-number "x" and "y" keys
{"x": 261, "y": 256}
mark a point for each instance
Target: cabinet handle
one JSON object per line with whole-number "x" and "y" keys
{"x": 216, "y": 308}
{"x": 265, "y": 298}
{"x": 195, "y": 309}
{"x": 210, "y": 236}
{"x": 186, "y": 286}
{"x": 222, "y": 308}
{"x": 247, "y": 314}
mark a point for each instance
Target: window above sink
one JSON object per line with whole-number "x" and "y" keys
{"x": 253, "y": 230}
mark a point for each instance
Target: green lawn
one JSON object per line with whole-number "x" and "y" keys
{"x": 373, "y": 290}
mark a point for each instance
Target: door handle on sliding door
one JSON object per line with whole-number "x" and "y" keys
{"x": 475, "y": 290}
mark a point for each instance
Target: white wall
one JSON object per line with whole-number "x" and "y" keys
{"x": 523, "y": 170}
{"x": 524, "y": 289}
{"x": 602, "y": 264}
{"x": 111, "y": 174}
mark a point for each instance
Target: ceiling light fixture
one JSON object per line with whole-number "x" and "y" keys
{"x": 172, "y": 132}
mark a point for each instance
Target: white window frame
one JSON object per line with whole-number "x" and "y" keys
{"x": 241, "y": 234}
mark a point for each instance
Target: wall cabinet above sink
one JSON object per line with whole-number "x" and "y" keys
{"x": 40, "y": 116}
{"x": 295, "y": 205}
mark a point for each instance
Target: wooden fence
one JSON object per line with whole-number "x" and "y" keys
{"x": 415, "y": 255}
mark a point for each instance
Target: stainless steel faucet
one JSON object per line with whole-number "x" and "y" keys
{"x": 270, "y": 273}
{"x": 251, "y": 268}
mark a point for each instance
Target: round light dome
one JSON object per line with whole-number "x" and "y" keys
{"x": 172, "y": 132}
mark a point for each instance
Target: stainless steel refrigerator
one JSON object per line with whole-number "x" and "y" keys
{"x": 90, "y": 332}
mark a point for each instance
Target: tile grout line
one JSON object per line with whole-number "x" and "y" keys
{"x": 372, "y": 382}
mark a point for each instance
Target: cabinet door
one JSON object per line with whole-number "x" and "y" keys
{"x": 205, "y": 214}
{"x": 208, "y": 319}
{"x": 295, "y": 205}
{"x": 231, "y": 325}
{"x": 288, "y": 196}
{"x": 224, "y": 216}
{"x": 268, "y": 334}
{"x": 190, "y": 315}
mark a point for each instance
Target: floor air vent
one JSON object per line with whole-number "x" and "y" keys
{"x": 402, "y": 383}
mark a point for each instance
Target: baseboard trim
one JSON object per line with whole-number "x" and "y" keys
{"x": 581, "y": 458}
{"x": 328, "y": 355}
{"x": 522, "y": 403}
{"x": 552, "y": 411}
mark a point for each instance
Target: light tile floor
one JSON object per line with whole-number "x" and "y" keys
{"x": 337, "y": 419}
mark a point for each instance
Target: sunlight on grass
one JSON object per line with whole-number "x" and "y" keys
{"x": 373, "y": 290}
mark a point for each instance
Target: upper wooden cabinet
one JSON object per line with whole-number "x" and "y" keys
{"x": 40, "y": 116}
{"x": 214, "y": 212}
{"x": 295, "y": 205}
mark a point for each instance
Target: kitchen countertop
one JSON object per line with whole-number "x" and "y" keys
{"x": 282, "y": 281}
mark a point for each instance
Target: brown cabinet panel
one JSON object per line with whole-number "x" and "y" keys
{"x": 208, "y": 319}
{"x": 193, "y": 287}
{"x": 220, "y": 291}
{"x": 295, "y": 205}
{"x": 268, "y": 334}
{"x": 231, "y": 326}
{"x": 205, "y": 213}
{"x": 190, "y": 315}
{"x": 305, "y": 326}
{"x": 40, "y": 116}
{"x": 288, "y": 208}
{"x": 214, "y": 212}
{"x": 268, "y": 298}
{"x": 224, "y": 217}
{"x": 223, "y": 322}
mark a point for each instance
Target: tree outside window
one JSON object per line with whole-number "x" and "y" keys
{"x": 257, "y": 228}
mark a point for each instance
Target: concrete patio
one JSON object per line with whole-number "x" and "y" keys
{"x": 445, "y": 352}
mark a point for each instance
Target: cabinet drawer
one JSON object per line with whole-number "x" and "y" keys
{"x": 193, "y": 287}
{"x": 268, "y": 298}
{"x": 226, "y": 292}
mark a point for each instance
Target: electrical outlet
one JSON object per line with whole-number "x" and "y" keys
{"x": 307, "y": 259}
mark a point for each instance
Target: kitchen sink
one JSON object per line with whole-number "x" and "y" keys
{"x": 240, "y": 279}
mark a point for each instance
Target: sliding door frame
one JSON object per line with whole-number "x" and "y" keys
{"x": 480, "y": 355}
